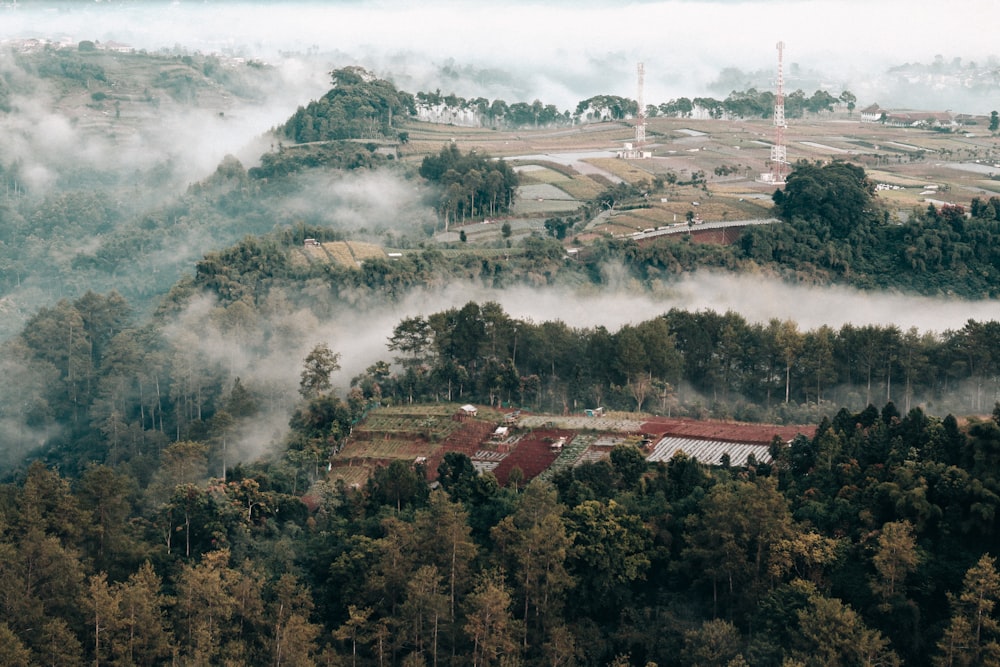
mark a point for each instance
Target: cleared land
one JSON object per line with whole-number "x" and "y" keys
{"x": 350, "y": 254}
{"x": 536, "y": 444}
{"x": 730, "y": 156}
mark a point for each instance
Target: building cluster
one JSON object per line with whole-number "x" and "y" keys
{"x": 909, "y": 118}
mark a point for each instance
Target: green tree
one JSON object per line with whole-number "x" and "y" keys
{"x": 714, "y": 644}
{"x": 59, "y": 336}
{"x": 610, "y": 552}
{"x": 213, "y": 602}
{"x": 736, "y": 539}
{"x": 445, "y": 540}
{"x": 457, "y": 476}
{"x": 58, "y": 645}
{"x": 12, "y": 651}
{"x": 423, "y": 611}
{"x": 412, "y": 338}
{"x": 832, "y": 634}
{"x": 397, "y": 485}
{"x": 535, "y": 544}
{"x": 318, "y": 366}
{"x": 144, "y": 637}
{"x": 790, "y": 343}
{"x": 850, "y": 99}
{"x": 105, "y": 494}
{"x": 293, "y": 641}
{"x": 358, "y": 105}
{"x": 973, "y": 634}
{"x": 629, "y": 465}
{"x": 356, "y": 629}
{"x": 839, "y": 195}
{"x": 489, "y": 623}
{"x": 102, "y": 603}
{"x": 895, "y": 558}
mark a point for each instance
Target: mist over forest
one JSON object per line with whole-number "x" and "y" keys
{"x": 120, "y": 173}
{"x": 346, "y": 333}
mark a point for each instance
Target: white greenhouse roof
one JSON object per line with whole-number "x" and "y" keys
{"x": 709, "y": 451}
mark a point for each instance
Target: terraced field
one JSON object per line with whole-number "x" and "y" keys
{"x": 409, "y": 433}
{"x": 349, "y": 254}
{"x": 405, "y": 433}
{"x": 567, "y": 179}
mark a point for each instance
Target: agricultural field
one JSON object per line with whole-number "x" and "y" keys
{"x": 539, "y": 445}
{"x": 349, "y": 254}
{"x": 563, "y": 168}
{"x": 409, "y": 433}
{"x": 544, "y": 199}
{"x": 532, "y": 454}
{"x": 567, "y": 179}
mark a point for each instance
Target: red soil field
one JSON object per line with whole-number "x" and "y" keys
{"x": 532, "y": 454}
{"x": 725, "y": 431}
{"x": 467, "y": 440}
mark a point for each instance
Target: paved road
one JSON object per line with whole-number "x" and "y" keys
{"x": 682, "y": 227}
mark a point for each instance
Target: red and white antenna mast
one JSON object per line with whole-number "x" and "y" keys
{"x": 640, "y": 126}
{"x": 779, "y": 157}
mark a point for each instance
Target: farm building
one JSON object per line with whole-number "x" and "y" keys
{"x": 541, "y": 445}
{"x": 872, "y": 114}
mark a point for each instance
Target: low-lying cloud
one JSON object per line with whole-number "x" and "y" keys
{"x": 361, "y": 336}
{"x": 558, "y": 52}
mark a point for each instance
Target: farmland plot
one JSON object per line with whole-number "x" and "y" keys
{"x": 532, "y": 454}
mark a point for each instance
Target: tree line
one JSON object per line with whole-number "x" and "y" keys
{"x": 752, "y": 103}
{"x": 682, "y": 362}
{"x": 362, "y": 106}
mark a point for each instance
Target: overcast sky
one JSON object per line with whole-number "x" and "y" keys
{"x": 556, "y": 51}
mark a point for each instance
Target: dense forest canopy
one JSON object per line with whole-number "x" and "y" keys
{"x": 869, "y": 542}
{"x": 358, "y": 106}
{"x": 474, "y": 185}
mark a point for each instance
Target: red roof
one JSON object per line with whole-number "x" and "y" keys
{"x": 743, "y": 432}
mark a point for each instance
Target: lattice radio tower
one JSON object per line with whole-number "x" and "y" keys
{"x": 779, "y": 156}
{"x": 640, "y": 126}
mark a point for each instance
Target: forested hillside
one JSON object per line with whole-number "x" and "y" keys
{"x": 869, "y": 544}
{"x": 165, "y": 445}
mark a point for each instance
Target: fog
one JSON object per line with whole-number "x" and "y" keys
{"x": 291, "y": 331}
{"x": 366, "y": 203}
{"x": 559, "y": 52}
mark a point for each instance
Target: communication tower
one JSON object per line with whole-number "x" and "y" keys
{"x": 634, "y": 150}
{"x": 640, "y": 125}
{"x": 779, "y": 156}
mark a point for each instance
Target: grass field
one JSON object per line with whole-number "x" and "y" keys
{"x": 573, "y": 183}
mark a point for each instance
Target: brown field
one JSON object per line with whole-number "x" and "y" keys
{"x": 908, "y": 158}
{"x": 346, "y": 253}
{"x": 567, "y": 179}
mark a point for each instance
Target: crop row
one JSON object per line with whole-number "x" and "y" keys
{"x": 387, "y": 449}
{"x": 569, "y": 454}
